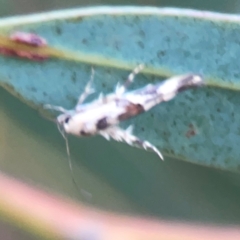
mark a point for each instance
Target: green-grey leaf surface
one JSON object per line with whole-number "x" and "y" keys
{"x": 169, "y": 41}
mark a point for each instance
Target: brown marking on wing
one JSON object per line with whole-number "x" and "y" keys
{"x": 85, "y": 134}
{"x": 102, "y": 124}
{"x": 131, "y": 111}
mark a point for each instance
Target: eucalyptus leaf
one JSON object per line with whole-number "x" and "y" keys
{"x": 200, "y": 126}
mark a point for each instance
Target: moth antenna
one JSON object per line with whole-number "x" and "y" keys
{"x": 55, "y": 108}
{"x": 68, "y": 153}
{"x": 67, "y": 146}
{"x": 85, "y": 193}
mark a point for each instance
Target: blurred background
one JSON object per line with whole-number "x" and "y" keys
{"x": 131, "y": 182}
{"x": 11, "y": 7}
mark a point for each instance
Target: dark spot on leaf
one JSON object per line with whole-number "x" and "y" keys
{"x": 71, "y": 98}
{"x": 142, "y": 33}
{"x": 171, "y": 151}
{"x": 192, "y": 131}
{"x": 236, "y": 75}
{"x": 116, "y": 45}
{"x": 213, "y": 159}
{"x": 84, "y": 41}
{"x": 152, "y": 116}
{"x": 100, "y": 23}
{"x": 226, "y": 161}
{"x": 141, "y": 44}
{"x": 218, "y": 110}
{"x": 103, "y": 85}
{"x": 167, "y": 39}
{"x": 142, "y": 129}
{"x": 137, "y": 18}
{"x": 58, "y": 30}
{"x": 186, "y": 54}
{"x": 44, "y": 94}
{"x": 33, "y": 89}
{"x": 74, "y": 77}
{"x": 161, "y": 54}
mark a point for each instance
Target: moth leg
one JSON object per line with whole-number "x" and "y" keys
{"x": 120, "y": 89}
{"x": 88, "y": 89}
{"x": 56, "y": 108}
{"x": 122, "y": 135}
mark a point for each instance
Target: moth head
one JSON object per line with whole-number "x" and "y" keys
{"x": 63, "y": 121}
{"x": 189, "y": 81}
{"x": 72, "y": 123}
{"x": 197, "y": 80}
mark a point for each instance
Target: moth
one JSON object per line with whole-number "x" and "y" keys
{"x": 103, "y": 115}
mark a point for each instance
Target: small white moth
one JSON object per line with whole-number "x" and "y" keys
{"x": 103, "y": 115}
